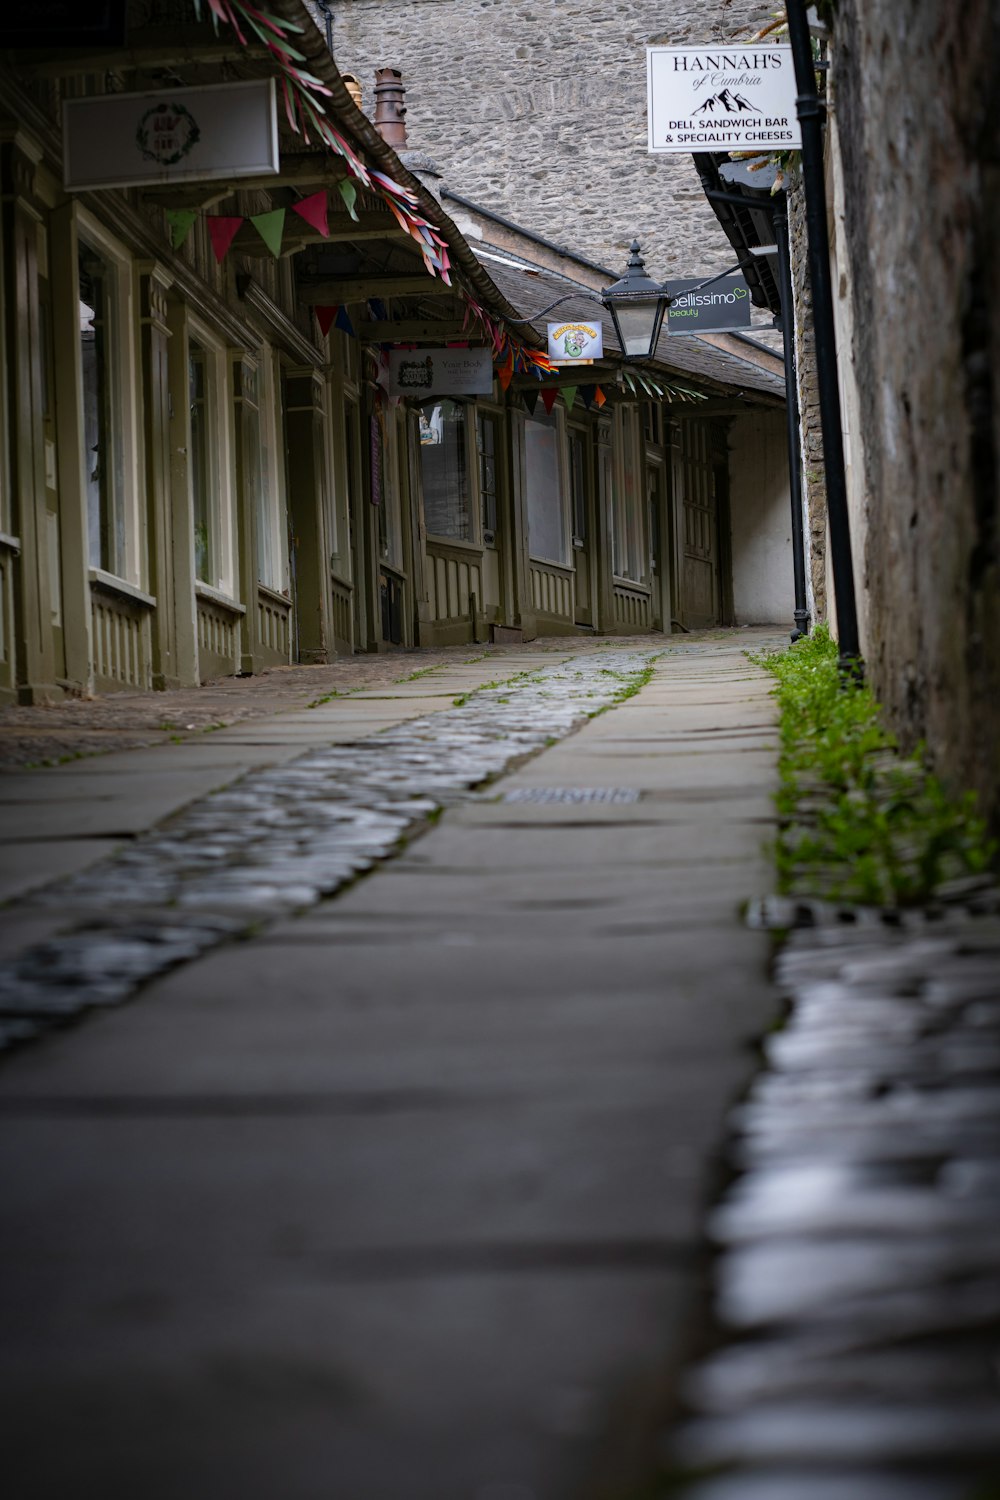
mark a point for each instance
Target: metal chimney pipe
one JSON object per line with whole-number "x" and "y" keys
{"x": 390, "y": 110}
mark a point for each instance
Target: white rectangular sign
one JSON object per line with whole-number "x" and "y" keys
{"x": 440, "y": 372}
{"x": 576, "y": 343}
{"x": 729, "y": 97}
{"x": 175, "y": 135}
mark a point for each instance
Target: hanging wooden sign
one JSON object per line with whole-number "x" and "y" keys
{"x": 218, "y": 132}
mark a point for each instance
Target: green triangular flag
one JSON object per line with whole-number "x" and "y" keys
{"x": 180, "y": 221}
{"x": 568, "y": 393}
{"x": 270, "y": 228}
{"x": 349, "y": 193}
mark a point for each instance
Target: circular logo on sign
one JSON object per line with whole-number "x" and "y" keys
{"x": 166, "y": 133}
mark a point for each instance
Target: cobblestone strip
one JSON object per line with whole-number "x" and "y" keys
{"x": 280, "y": 840}
{"x": 858, "y": 1286}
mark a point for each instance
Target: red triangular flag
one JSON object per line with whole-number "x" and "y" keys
{"x": 313, "y": 209}
{"x": 325, "y": 317}
{"x": 222, "y": 231}
{"x": 505, "y": 375}
{"x": 549, "y": 398}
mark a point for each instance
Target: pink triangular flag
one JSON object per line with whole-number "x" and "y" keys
{"x": 222, "y": 232}
{"x": 325, "y": 317}
{"x": 549, "y": 398}
{"x": 313, "y": 209}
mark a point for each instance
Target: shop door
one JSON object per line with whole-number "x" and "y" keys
{"x": 487, "y": 443}
{"x": 582, "y": 550}
{"x": 700, "y": 534}
{"x": 52, "y": 538}
{"x": 654, "y": 502}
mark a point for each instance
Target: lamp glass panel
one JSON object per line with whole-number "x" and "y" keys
{"x": 635, "y": 325}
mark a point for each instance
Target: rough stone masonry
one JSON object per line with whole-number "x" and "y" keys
{"x": 538, "y": 111}
{"x": 918, "y": 117}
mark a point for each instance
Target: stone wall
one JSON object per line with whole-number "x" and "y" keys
{"x": 918, "y": 118}
{"x": 537, "y": 109}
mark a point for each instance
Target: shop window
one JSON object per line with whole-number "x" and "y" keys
{"x": 103, "y": 448}
{"x": 444, "y": 470}
{"x": 385, "y": 487}
{"x": 271, "y": 522}
{"x": 547, "y": 538}
{"x": 199, "y": 466}
{"x": 627, "y": 531}
{"x": 209, "y": 474}
{"x": 488, "y": 476}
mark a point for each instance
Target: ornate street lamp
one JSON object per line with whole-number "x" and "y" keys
{"x": 637, "y": 306}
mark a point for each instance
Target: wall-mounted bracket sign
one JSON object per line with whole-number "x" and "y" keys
{"x": 576, "y": 343}
{"x": 440, "y": 372}
{"x": 728, "y": 97}
{"x": 221, "y": 131}
{"x": 721, "y": 307}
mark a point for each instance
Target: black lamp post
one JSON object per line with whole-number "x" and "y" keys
{"x": 637, "y": 305}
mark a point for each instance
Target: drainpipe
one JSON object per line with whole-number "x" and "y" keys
{"x": 780, "y": 221}
{"x": 811, "y": 114}
{"x": 323, "y": 6}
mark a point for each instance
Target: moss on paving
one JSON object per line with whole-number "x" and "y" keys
{"x": 859, "y": 820}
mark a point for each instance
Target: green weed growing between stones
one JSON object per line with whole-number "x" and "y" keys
{"x": 859, "y": 821}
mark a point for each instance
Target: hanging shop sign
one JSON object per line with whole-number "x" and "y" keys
{"x": 721, "y": 307}
{"x": 440, "y": 372}
{"x": 722, "y": 98}
{"x": 575, "y": 343}
{"x": 221, "y": 131}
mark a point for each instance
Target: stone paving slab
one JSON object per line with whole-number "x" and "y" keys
{"x": 26, "y": 865}
{"x": 531, "y": 843}
{"x": 570, "y": 1171}
{"x": 413, "y": 1387}
{"x": 269, "y": 1015}
{"x": 713, "y": 818}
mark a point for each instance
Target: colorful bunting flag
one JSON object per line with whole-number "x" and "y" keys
{"x": 270, "y": 227}
{"x": 587, "y": 395}
{"x": 349, "y": 193}
{"x": 549, "y": 398}
{"x": 314, "y": 210}
{"x": 343, "y": 322}
{"x": 600, "y": 399}
{"x": 530, "y": 399}
{"x": 180, "y": 221}
{"x": 222, "y": 231}
{"x": 569, "y": 396}
{"x": 325, "y": 317}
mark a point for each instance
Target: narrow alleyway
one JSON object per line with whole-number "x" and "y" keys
{"x": 390, "y": 1188}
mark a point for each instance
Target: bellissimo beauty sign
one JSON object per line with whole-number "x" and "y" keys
{"x": 722, "y": 98}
